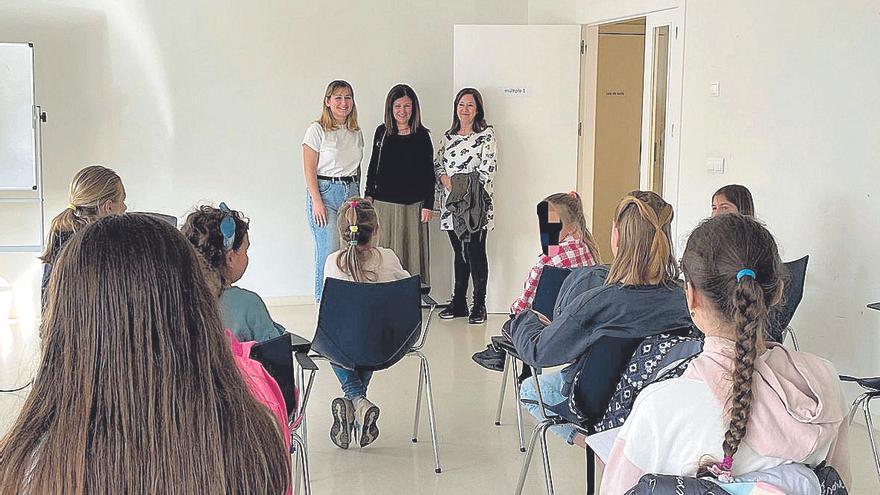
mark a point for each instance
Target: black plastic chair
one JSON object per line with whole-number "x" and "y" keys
{"x": 780, "y": 317}
{"x": 372, "y": 326}
{"x": 872, "y": 391}
{"x": 545, "y": 301}
{"x": 286, "y": 359}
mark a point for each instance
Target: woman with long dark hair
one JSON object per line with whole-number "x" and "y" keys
{"x": 468, "y": 151}
{"x": 400, "y": 180}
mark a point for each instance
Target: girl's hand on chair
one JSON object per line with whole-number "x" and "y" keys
{"x": 543, "y": 319}
{"x": 427, "y": 215}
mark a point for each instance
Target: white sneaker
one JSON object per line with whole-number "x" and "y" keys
{"x": 343, "y": 418}
{"x": 367, "y": 415}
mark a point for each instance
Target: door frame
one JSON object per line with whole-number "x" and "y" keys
{"x": 675, "y": 17}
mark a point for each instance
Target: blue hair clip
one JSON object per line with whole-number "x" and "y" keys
{"x": 227, "y": 227}
{"x": 745, "y": 272}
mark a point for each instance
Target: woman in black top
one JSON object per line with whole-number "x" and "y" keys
{"x": 400, "y": 180}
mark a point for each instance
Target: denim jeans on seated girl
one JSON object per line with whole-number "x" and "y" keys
{"x": 551, "y": 391}
{"x": 333, "y": 194}
{"x": 354, "y": 383}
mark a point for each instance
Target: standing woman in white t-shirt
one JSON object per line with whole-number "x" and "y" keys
{"x": 332, "y": 151}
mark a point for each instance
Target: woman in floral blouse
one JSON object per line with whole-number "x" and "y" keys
{"x": 468, "y": 146}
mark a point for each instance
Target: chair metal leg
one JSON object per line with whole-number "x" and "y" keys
{"x": 866, "y": 406}
{"x": 304, "y": 436}
{"x": 528, "y": 459}
{"x": 516, "y": 388}
{"x": 415, "y": 435}
{"x": 789, "y": 332}
{"x": 540, "y": 431}
{"x": 431, "y": 418}
{"x": 507, "y": 360}
{"x": 545, "y": 457}
{"x": 855, "y": 406}
{"x": 591, "y": 470}
{"x": 304, "y": 465}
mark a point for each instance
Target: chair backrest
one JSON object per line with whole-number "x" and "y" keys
{"x": 598, "y": 374}
{"x": 276, "y": 356}
{"x": 781, "y": 315}
{"x": 548, "y": 289}
{"x": 368, "y": 326}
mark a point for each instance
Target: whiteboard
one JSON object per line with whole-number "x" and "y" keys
{"x": 18, "y": 145}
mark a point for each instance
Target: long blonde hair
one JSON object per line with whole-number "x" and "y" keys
{"x": 357, "y": 223}
{"x": 645, "y": 254}
{"x": 571, "y": 211}
{"x": 326, "y": 119}
{"x": 137, "y": 390}
{"x": 90, "y": 188}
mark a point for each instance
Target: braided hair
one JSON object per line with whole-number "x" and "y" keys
{"x": 571, "y": 211}
{"x": 358, "y": 225}
{"x": 734, "y": 261}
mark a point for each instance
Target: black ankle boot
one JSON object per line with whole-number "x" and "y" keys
{"x": 454, "y": 311}
{"x": 478, "y": 314}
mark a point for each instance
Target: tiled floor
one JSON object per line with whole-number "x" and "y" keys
{"x": 476, "y": 456}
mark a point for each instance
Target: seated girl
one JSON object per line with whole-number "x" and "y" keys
{"x": 572, "y": 247}
{"x": 638, "y": 296}
{"x": 733, "y": 198}
{"x": 744, "y": 404}
{"x": 95, "y": 192}
{"x": 220, "y": 235}
{"x": 137, "y": 390}
{"x": 359, "y": 260}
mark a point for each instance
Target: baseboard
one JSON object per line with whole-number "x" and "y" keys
{"x": 280, "y": 301}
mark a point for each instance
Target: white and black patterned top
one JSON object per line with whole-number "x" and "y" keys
{"x": 458, "y": 154}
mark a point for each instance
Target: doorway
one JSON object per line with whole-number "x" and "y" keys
{"x": 630, "y": 95}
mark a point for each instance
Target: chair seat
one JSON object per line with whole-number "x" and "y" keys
{"x": 871, "y": 384}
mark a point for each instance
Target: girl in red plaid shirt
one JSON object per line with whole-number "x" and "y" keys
{"x": 576, "y": 249}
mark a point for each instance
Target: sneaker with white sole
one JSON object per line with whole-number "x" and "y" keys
{"x": 367, "y": 415}
{"x": 343, "y": 418}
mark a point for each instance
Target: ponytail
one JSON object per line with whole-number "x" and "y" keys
{"x": 358, "y": 224}
{"x": 90, "y": 188}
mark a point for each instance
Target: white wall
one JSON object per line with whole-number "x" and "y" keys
{"x": 208, "y": 100}
{"x": 798, "y": 122}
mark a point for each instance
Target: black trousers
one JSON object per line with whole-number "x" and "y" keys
{"x": 470, "y": 262}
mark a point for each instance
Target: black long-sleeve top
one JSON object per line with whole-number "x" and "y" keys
{"x": 405, "y": 174}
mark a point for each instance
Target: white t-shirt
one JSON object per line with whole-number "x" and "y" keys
{"x": 339, "y": 151}
{"x": 382, "y": 261}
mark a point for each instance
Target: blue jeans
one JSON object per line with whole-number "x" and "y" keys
{"x": 326, "y": 238}
{"x": 551, "y": 391}
{"x": 354, "y": 383}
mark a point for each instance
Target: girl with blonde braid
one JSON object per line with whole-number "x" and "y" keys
{"x": 359, "y": 260}
{"x": 638, "y": 296}
{"x": 744, "y": 405}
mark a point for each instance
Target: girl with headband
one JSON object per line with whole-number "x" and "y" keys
{"x": 360, "y": 259}
{"x": 743, "y": 405}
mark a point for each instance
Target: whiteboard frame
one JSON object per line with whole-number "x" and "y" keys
{"x": 36, "y": 122}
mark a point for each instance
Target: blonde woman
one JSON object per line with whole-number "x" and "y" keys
{"x": 95, "y": 192}
{"x": 332, "y": 151}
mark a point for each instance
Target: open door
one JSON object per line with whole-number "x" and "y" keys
{"x": 662, "y": 105}
{"x": 529, "y": 79}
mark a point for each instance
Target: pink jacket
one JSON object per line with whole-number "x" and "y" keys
{"x": 262, "y": 386}
{"x": 797, "y": 416}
